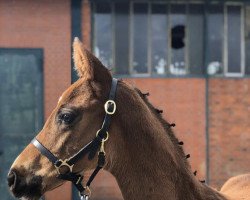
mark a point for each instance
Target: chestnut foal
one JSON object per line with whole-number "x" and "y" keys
{"x": 136, "y": 145}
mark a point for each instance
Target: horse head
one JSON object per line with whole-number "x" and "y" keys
{"x": 72, "y": 124}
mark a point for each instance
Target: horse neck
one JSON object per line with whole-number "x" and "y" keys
{"x": 145, "y": 160}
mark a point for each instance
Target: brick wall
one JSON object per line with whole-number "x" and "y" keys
{"x": 42, "y": 24}
{"x": 229, "y": 114}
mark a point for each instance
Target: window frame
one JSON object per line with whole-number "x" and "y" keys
{"x": 149, "y": 51}
{"x": 225, "y": 72}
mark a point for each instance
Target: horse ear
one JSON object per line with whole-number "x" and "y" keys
{"x": 86, "y": 64}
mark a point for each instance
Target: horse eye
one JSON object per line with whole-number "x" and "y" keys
{"x": 67, "y": 118}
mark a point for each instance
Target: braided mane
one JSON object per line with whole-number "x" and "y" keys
{"x": 167, "y": 126}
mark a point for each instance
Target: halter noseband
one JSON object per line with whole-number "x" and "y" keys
{"x": 91, "y": 149}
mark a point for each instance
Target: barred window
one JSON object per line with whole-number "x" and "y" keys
{"x": 172, "y": 38}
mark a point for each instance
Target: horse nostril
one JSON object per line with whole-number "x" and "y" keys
{"x": 12, "y": 179}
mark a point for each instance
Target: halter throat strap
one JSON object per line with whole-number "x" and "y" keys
{"x": 91, "y": 149}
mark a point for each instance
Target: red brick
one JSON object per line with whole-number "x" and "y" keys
{"x": 229, "y": 107}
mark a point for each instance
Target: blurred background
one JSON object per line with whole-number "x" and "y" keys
{"x": 193, "y": 57}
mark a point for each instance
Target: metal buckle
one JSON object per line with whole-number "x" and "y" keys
{"x": 86, "y": 193}
{"x": 85, "y": 197}
{"x": 64, "y": 163}
{"x": 104, "y": 139}
{"x": 106, "y": 106}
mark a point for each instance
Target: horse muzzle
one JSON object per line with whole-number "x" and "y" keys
{"x": 21, "y": 187}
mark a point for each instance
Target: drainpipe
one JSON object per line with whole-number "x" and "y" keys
{"x": 206, "y": 91}
{"x": 76, "y": 31}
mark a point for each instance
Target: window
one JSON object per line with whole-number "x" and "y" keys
{"x": 103, "y": 33}
{"x": 247, "y": 40}
{"x": 168, "y": 38}
{"x": 178, "y": 22}
{"x": 144, "y": 38}
{"x": 225, "y": 40}
{"x": 234, "y": 61}
{"x": 215, "y": 39}
{"x": 139, "y": 37}
{"x": 196, "y": 38}
{"x": 121, "y": 51}
{"x": 159, "y": 40}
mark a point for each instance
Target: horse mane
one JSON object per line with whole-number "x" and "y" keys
{"x": 167, "y": 126}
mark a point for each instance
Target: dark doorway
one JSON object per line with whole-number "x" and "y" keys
{"x": 21, "y": 105}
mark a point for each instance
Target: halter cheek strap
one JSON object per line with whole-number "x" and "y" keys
{"x": 91, "y": 149}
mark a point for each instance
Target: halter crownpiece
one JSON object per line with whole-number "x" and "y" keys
{"x": 91, "y": 149}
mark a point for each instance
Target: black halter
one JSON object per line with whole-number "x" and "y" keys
{"x": 91, "y": 149}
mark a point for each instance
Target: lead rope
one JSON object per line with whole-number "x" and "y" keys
{"x": 86, "y": 193}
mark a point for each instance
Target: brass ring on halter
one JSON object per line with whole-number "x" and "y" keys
{"x": 104, "y": 139}
{"x": 106, "y": 107}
